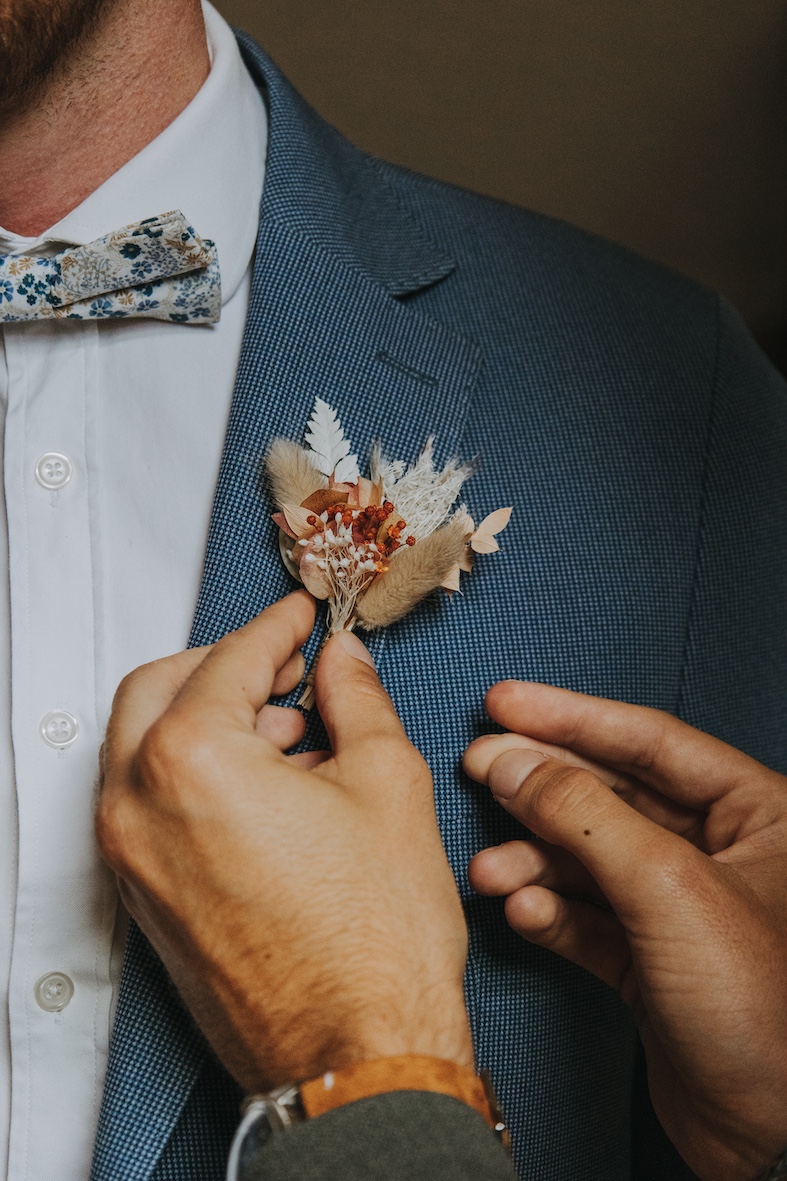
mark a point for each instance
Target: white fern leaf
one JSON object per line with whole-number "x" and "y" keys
{"x": 330, "y": 449}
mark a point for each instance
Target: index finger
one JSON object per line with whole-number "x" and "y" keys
{"x": 683, "y": 763}
{"x": 686, "y": 822}
{"x": 637, "y": 864}
{"x": 237, "y": 676}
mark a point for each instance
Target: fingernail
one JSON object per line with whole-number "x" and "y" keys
{"x": 509, "y": 772}
{"x": 353, "y": 647}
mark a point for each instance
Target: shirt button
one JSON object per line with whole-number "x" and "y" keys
{"x": 53, "y": 992}
{"x": 59, "y": 728}
{"x": 53, "y": 470}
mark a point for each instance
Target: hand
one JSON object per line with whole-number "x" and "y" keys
{"x": 303, "y": 905}
{"x": 661, "y": 867}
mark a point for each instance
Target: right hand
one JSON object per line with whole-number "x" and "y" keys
{"x": 304, "y": 906}
{"x": 661, "y": 867}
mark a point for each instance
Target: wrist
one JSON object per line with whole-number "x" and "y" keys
{"x": 403, "y": 1072}
{"x": 368, "y": 1033}
{"x": 445, "y": 1036}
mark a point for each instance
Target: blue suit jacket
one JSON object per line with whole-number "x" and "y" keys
{"x": 641, "y": 438}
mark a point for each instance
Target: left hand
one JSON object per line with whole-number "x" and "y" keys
{"x": 683, "y": 842}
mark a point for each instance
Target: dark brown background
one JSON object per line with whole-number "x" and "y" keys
{"x": 659, "y": 123}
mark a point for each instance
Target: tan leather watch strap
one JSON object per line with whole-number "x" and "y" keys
{"x": 408, "y": 1072}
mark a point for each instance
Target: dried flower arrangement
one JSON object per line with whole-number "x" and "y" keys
{"x": 373, "y": 548}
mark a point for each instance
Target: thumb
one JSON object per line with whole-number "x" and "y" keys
{"x": 352, "y": 702}
{"x": 635, "y": 861}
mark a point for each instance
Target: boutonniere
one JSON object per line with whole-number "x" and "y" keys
{"x": 374, "y": 546}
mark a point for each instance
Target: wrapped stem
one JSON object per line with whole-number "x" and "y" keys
{"x": 307, "y": 698}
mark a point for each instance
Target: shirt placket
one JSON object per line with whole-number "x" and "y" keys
{"x": 59, "y": 984}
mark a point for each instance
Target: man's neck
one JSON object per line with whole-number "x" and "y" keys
{"x": 119, "y": 90}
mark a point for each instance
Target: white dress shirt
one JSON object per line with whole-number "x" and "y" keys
{"x": 113, "y": 434}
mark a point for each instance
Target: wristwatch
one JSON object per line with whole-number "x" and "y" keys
{"x": 264, "y": 1116}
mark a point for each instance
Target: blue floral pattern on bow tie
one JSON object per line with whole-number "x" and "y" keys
{"x": 158, "y": 267}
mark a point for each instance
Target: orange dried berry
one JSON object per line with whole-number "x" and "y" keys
{"x": 409, "y": 540}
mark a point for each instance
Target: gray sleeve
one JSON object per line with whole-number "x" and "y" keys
{"x": 403, "y": 1136}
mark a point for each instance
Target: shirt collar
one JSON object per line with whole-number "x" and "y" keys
{"x": 209, "y": 163}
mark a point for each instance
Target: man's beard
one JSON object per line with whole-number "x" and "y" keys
{"x": 36, "y": 37}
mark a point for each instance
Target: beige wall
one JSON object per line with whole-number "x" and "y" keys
{"x": 659, "y": 123}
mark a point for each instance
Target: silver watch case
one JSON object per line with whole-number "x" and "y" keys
{"x": 263, "y": 1116}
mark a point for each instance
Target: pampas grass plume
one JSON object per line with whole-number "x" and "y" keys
{"x": 292, "y": 475}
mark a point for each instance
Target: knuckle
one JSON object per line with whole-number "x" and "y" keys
{"x": 125, "y": 690}
{"x": 132, "y": 683}
{"x": 653, "y": 739}
{"x": 563, "y": 792}
{"x": 112, "y": 831}
{"x": 176, "y": 759}
{"x": 163, "y": 751}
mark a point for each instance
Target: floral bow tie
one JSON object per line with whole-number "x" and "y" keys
{"x": 159, "y": 267}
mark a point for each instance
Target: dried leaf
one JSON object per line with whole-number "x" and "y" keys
{"x": 466, "y": 560}
{"x": 297, "y": 522}
{"x": 330, "y": 448}
{"x": 484, "y": 544}
{"x": 319, "y": 501}
{"x": 280, "y": 520}
{"x": 291, "y": 473}
{"x": 451, "y": 581}
{"x": 313, "y": 573}
{"x": 483, "y": 540}
{"x": 316, "y": 581}
{"x": 415, "y": 571}
{"x": 285, "y": 549}
{"x": 362, "y": 494}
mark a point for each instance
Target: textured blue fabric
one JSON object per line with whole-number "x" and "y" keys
{"x": 641, "y": 438}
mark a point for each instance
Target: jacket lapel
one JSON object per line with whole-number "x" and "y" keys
{"x": 318, "y": 327}
{"x": 336, "y": 251}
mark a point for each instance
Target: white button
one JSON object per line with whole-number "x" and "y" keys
{"x": 59, "y": 728}
{"x": 53, "y": 470}
{"x": 53, "y": 992}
